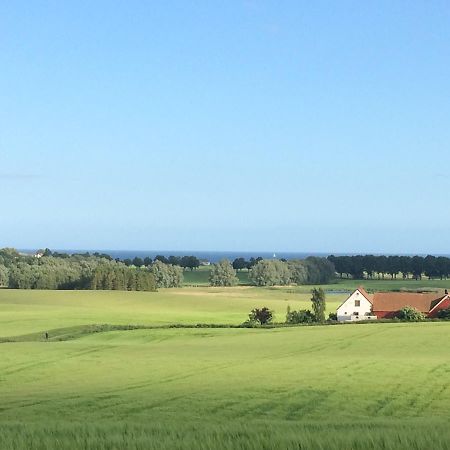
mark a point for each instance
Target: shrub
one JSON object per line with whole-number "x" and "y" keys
{"x": 444, "y": 314}
{"x": 332, "y": 317}
{"x": 263, "y": 315}
{"x": 410, "y": 314}
{"x": 300, "y": 316}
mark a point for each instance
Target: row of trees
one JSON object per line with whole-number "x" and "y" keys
{"x": 311, "y": 270}
{"x": 117, "y": 276}
{"x": 271, "y": 272}
{"x": 186, "y": 262}
{"x": 83, "y": 271}
{"x": 370, "y": 266}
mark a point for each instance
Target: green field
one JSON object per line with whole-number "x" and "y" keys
{"x": 374, "y": 386}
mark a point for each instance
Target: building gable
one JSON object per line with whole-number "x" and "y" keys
{"x": 356, "y": 307}
{"x": 443, "y": 303}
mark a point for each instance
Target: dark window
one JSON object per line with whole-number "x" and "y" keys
{"x": 357, "y": 302}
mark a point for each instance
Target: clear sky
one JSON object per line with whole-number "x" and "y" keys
{"x": 225, "y": 125}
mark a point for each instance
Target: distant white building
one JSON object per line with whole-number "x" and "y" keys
{"x": 357, "y": 307}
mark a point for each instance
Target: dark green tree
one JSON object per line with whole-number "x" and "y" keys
{"x": 318, "y": 304}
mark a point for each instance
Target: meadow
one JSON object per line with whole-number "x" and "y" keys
{"x": 364, "y": 386}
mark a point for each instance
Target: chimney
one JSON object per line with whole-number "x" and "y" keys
{"x": 446, "y": 292}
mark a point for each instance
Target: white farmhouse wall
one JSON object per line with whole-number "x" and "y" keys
{"x": 349, "y": 311}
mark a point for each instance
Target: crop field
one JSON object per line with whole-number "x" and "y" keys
{"x": 365, "y": 386}
{"x": 23, "y": 312}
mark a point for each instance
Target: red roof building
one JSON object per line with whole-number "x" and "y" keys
{"x": 361, "y": 305}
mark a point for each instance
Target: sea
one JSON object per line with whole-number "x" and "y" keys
{"x": 212, "y": 256}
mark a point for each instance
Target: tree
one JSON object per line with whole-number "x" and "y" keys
{"x": 166, "y": 275}
{"x": 299, "y": 271}
{"x": 162, "y": 258}
{"x": 253, "y": 261}
{"x": 148, "y": 261}
{"x": 270, "y": 272}
{"x": 223, "y": 274}
{"x": 190, "y": 262}
{"x": 161, "y": 273}
{"x": 410, "y": 314}
{"x": 138, "y": 262}
{"x": 417, "y": 267}
{"x": 320, "y": 270}
{"x": 4, "y": 277}
{"x": 318, "y": 304}
{"x": 174, "y": 260}
{"x": 263, "y": 315}
{"x": 240, "y": 263}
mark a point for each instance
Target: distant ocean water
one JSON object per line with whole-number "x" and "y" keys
{"x": 211, "y": 255}
{"x": 208, "y": 255}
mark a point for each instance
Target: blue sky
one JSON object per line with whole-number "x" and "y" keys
{"x": 225, "y": 125}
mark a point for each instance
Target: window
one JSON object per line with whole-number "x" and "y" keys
{"x": 357, "y": 302}
{"x": 356, "y": 313}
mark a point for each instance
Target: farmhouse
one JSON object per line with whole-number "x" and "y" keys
{"x": 361, "y": 305}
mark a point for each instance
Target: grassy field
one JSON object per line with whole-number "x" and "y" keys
{"x": 24, "y": 312}
{"x": 374, "y": 386}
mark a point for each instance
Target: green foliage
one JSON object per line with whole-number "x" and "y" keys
{"x": 166, "y": 275}
{"x": 444, "y": 314}
{"x": 411, "y": 314}
{"x": 263, "y": 316}
{"x": 276, "y": 272}
{"x": 118, "y": 277}
{"x": 269, "y": 272}
{"x": 240, "y": 263}
{"x": 320, "y": 270}
{"x": 332, "y": 317}
{"x": 189, "y": 262}
{"x": 318, "y": 304}
{"x": 223, "y": 274}
{"x": 368, "y": 266}
{"x": 299, "y": 271}
{"x": 4, "y": 275}
{"x": 78, "y": 271}
{"x": 300, "y": 316}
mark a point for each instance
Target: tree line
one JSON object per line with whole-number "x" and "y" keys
{"x": 271, "y": 272}
{"x": 83, "y": 271}
{"x": 186, "y": 262}
{"x": 371, "y": 266}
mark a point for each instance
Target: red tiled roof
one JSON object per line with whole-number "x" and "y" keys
{"x": 394, "y": 301}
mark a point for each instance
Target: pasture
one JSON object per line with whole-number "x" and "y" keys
{"x": 324, "y": 387}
